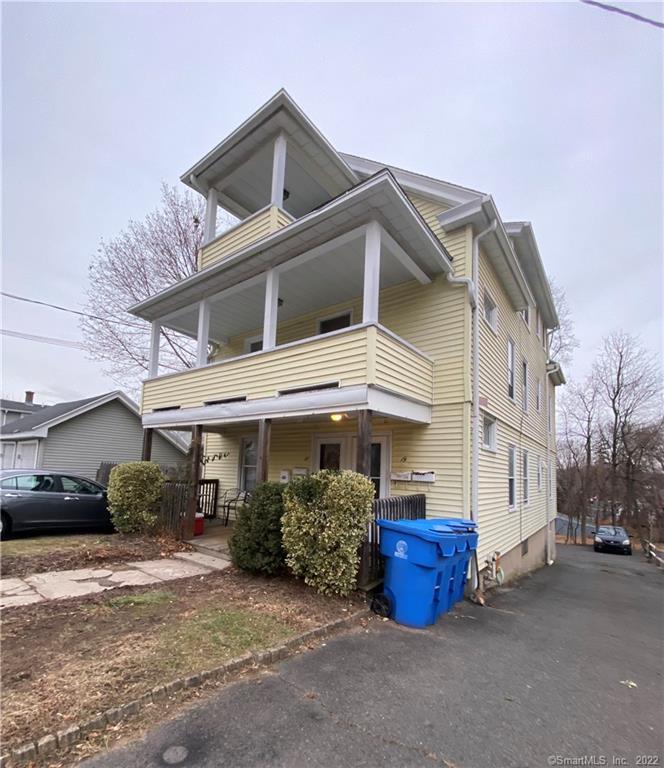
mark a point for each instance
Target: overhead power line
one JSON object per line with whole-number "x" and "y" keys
{"x": 44, "y": 339}
{"x": 631, "y": 14}
{"x": 72, "y": 311}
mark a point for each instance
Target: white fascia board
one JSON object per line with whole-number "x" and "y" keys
{"x": 523, "y": 232}
{"x": 36, "y": 434}
{"x": 479, "y": 214}
{"x": 314, "y": 403}
{"x": 555, "y": 372}
{"x": 436, "y": 189}
{"x": 281, "y": 100}
{"x": 366, "y": 188}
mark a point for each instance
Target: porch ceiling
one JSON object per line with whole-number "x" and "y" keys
{"x": 378, "y": 198}
{"x": 333, "y": 278}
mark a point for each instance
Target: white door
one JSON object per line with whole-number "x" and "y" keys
{"x": 26, "y": 454}
{"x": 338, "y": 452}
{"x": 7, "y": 453}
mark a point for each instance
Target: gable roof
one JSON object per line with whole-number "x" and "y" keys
{"x": 20, "y": 406}
{"x": 37, "y": 424}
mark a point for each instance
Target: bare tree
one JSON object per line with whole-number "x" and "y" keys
{"x": 143, "y": 259}
{"x": 562, "y": 340}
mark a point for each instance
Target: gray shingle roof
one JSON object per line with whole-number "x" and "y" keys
{"x": 43, "y": 415}
{"x": 20, "y": 405}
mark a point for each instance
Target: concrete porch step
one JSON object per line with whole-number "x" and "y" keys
{"x": 210, "y": 550}
{"x": 215, "y": 562}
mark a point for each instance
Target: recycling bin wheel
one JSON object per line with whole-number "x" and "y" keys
{"x": 382, "y": 605}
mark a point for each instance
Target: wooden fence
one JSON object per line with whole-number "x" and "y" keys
{"x": 411, "y": 507}
{"x": 175, "y": 499}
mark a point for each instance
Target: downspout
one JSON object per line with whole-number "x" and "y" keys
{"x": 549, "y": 478}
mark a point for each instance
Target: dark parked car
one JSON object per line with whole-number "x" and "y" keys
{"x": 32, "y": 499}
{"x": 609, "y": 538}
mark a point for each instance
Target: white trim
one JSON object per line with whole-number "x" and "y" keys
{"x": 5, "y": 445}
{"x": 210, "y": 216}
{"x": 311, "y": 403}
{"x": 271, "y": 309}
{"x": 403, "y": 258}
{"x": 24, "y": 443}
{"x": 348, "y": 450}
{"x": 371, "y": 273}
{"x": 155, "y": 338}
{"x": 249, "y": 341}
{"x": 278, "y": 170}
{"x": 492, "y": 320}
{"x": 240, "y": 464}
{"x": 493, "y": 442}
{"x": 525, "y": 393}
{"x": 511, "y": 373}
{"x": 511, "y": 456}
{"x": 320, "y": 250}
{"x": 525, "y": 476}
{"x": 203, "y": 333}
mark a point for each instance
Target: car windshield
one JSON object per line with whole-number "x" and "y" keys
{"x": 609, "y": 530}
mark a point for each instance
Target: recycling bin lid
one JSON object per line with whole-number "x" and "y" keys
{"x": 428, "y": 530}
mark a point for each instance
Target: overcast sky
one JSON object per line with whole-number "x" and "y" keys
{"x": 555, "y": 109}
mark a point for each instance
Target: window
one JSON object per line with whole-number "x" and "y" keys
{"x": 7, "y": 454}
{"x": 8, "y": 484}
{"x": 525, "y": 471}
{"x": 538, "y": 395}
{"x": 540, "y": 327}
{"x": 511, "y": 476}
{"x": 35, "y": 483}
{"x": 490, "y": 311}
{"x": 78, "y": 485}
{"x": 248, "y": 465}
{"x": 510, "y": 369}
{"x": 336, "y": 323}
{"x": 253, "y": 344}
{"x": 549, "y": 415}
{"x": 525, "y": 315}
{"x": 539, "y": 474}
{"x": 489, "y": 433}
{"x": 524, "y": 369}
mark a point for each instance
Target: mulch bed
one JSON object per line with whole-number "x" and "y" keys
{"x": 100, "y": 550}
{"x": 65, "y": 660}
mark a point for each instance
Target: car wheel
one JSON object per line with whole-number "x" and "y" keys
{"x": 5, "y": 526}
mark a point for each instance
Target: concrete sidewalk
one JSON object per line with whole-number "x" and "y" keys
{"x": 59, "y": 585}
{"x": 539, "y": 677}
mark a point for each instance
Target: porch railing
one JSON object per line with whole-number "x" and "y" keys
{"x": 412, "y": 507}
{"x": 175, "y": 499}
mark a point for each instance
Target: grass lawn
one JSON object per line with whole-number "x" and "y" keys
{"x": 64, "y": 661}
{"x": 28, "y": 554}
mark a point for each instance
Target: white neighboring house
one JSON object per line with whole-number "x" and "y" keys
{"x": 78, "y": 436}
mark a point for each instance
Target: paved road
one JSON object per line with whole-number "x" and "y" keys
{"x": 535, "y": 675}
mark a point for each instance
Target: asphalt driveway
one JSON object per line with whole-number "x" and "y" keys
{"x": 533, "y": 680}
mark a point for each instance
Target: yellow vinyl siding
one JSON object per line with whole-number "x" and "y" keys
{"x": 253, "y": 228}
{"x": 500, "y": 528}
{"x": 400, "y": 369}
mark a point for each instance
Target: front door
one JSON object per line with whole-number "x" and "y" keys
{"x": 338, "y": 452}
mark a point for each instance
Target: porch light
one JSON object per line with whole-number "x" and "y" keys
{"x": 336, "y": 416}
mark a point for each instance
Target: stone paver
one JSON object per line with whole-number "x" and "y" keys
{"x": 168, "y": 569}
{"x": 58, "y": 585}
{"x": 207, "y": 561}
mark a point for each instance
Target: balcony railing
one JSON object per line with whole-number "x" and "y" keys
{"x": 255, "y": 227}
{"x": 362, "y": 354}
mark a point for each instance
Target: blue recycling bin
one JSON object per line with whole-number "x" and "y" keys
{"x": 426, "y": 564}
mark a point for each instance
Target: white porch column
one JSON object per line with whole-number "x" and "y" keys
{"x": 203, "y": 334}
{"x": 371, "y": 273}
{"x": 271, "y": 309}
{"x": 155, "y": 338}
{"x": 278, "y": 171}
{"x": 211, "y": 215}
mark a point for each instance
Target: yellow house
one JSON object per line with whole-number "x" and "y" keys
{"x": 362, "y": 316}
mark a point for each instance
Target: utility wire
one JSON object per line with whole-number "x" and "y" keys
{"x": 72, "y": 311}
{"x": 44, "y": 339}
{"x": 631, "y": 14}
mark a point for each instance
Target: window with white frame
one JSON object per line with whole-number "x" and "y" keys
{"x": 525, "y": 470}
{"x": 490, "y": 311}
{"x": 524, "y": 384}
{"x": 525, "y": 315}
{"x": 539, "y": 474}
{"x": 489, "y": 433}
{"x": 538, "y": 394}
{"x": 511, "y": 476}
{"x": 248, "y": 463}
{"x": 510, "y": 369}
{"x": 539, "y": 325}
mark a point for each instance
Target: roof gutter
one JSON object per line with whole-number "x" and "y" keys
{"x": 549, "y": 546}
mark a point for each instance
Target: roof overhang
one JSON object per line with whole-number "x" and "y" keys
{"x": 280, "y": 115}
{"x": 528, "y": 254}
{"x": 301, "y": 405}
{"x": 416, "y": 183}
{"x": 479, "y": 213}
{"x": 555, "y": 372}
{"x": 379, "y": 198}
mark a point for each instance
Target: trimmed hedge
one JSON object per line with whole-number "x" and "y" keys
{"x": 134, "y": 493}
{"x": 255, "y": 544}
{"x": 325, "y": 521}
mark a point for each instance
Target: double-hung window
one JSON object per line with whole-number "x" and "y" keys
{"x": 538, "y": 395}
{"x": 489, "y": 433}
{"x": 490, "y": 311}
{"x": 511, "y": 476}
{"x": 524, "y": 371}
{"x": 525, "y": 468}
{"x": 510, "y": 369}
{"x": 539, "y": 474}
{"x": 248, "y": 462}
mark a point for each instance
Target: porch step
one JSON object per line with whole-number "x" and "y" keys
{"x": 215, "y": 562}
{"x": 218, "y": 551}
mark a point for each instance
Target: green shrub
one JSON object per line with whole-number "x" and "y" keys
{"x": 256, "y": 541}
{"x": 134, "y": 493}
{"x": 325, "y": 521}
